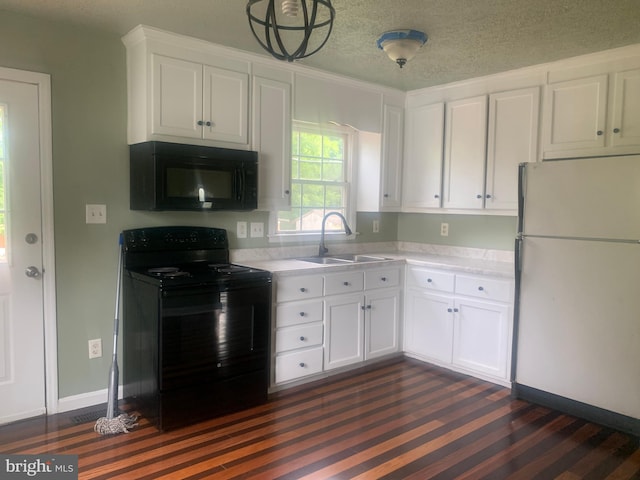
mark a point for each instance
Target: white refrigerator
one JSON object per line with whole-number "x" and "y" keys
{"x": 577, "y": 335}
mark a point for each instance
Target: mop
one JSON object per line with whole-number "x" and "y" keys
{"x": 123, "y": 422}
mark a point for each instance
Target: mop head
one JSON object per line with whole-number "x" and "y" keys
{"x": 120, "y": 424}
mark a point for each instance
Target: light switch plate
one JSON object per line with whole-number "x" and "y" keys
{"x": 96, "y": 213}
{"x": 241, "y": 229}
{"x": 257, "y": 229}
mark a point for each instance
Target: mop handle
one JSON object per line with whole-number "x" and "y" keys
{"x": 118, "y": 288}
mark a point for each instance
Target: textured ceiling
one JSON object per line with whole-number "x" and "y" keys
{"x": 467, "y": 38}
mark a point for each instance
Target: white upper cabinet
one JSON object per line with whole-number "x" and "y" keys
{"x": 593, "y": 115}
{"x": 575, "y": 114}
{"x": 512, "y": 139}
{"x": 422, "y": 172}
{"x": 271, "y": 115}
{"x": 185, "y": 90}
{"x": 198, "y": 101}
{"x": 392, "y": 146}
{"x": 625, "y": 127}
{"x": 465, "y": 153}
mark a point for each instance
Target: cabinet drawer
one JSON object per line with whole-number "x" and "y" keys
{"x": 483, "y": 287}
{"x": 290, "y": 366}
{"x": 296, "y": 313}
{"x": 381, "y": 278}
{"x": 430, "y": 279}
{"x": 292, "y": 338}
{"x": 346, "y": 282}
{"x": 299, "y": 288}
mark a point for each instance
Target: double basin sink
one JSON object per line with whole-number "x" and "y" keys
{"x": 342, "y": 259}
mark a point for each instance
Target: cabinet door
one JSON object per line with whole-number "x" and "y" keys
{"x": 272, "y": 139}
{"x": 392, "y": 145}
{"x": 422, "y": 179}
{"x": 176, "y": 97}
{"x": 575, "y": 113}
{"x": 625, "y": 128}
{"x": 465, "y": 153}
{"x": 381, "y": 324}
{"x": 428, "y": 330}
{"x": 343, "y": 338}
{"x": 481, "y": 337}
{"x": 512, "y": 139}
{"x": 225, "y": 115}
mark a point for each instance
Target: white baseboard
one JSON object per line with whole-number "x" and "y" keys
{"x": 84, "y": 400}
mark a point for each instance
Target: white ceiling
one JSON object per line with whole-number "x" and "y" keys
{"x": 467, "y": 38}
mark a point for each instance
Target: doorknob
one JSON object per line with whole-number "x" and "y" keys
{"x": 32, "y": 272}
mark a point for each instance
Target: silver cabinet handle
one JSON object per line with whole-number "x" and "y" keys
{"x": 32, "y": 272}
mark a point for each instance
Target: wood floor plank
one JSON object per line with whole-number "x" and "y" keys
{"x": 400, "y": 419}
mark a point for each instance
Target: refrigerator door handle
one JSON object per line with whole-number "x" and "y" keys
{"x": 522, "y": 171}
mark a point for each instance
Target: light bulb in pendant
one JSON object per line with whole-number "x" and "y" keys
{"x": 290, "y": 8}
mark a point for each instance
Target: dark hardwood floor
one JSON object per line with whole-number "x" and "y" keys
{"x": 401, "y": 420}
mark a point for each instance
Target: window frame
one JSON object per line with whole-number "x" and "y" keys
{"x": 350, "y": 150}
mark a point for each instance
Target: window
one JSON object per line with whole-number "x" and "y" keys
{"x": 320, "y": 181}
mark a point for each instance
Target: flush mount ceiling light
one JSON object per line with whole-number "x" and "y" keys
{"x": 295, "y": 30}
{"x": 401, "y": 45}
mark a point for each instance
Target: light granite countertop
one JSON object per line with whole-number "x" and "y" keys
{"x": 284, "y": 261}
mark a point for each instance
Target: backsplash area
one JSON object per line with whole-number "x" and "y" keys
{"x": 279, "y": 253}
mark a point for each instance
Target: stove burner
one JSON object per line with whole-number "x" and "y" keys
{"x": 167, "y": 272}
{"x": 163, "y": 270}
{"x": 226, "y": 268}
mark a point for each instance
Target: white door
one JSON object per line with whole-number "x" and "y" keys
{"x": 22, "y": 339}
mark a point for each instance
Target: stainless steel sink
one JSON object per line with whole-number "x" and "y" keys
{"x": 358, "y": 258}
{"x": 325, "y": 260}
{"x": 342, "y": 259}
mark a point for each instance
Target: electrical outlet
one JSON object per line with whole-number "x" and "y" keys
{"x": 376, "y": 226}
{"x": 444, "y": 229}
{"x": 96, "y": 213}
{"x": 257, "y": 229}
{"x": 95, "y": 348}
{"x": 241, "y": 229}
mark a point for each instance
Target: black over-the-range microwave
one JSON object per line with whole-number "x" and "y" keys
{"x": 173, "y": 176}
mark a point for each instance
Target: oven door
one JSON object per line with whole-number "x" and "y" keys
{"x": 208, "y": 334}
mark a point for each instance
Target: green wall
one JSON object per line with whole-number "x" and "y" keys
{"x": 90, "y": 165}
{"x": 480, "y": 231}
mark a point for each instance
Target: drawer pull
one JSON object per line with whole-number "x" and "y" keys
{"x": 302, "y": 339}
{"x": 302, "y": 364}
{"x": 384, "y": 279}
{"x": 302, "y": 289}
{"x": 481, "y": 288}
{"x": 449, "y": 310}
{"x": 302, "y": 314}
{"x": 456, "y": 310}
{"x": 346, "y": 284}
{"x": 429, "y": 280}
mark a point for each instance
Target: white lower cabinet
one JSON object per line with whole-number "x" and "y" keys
{"x": 428, "y": 328}
{"x": 324, "y": 322}
{"x": 298, "y": 334}
{"x": 344, "y": 331}
{"x": 459, "y": 321}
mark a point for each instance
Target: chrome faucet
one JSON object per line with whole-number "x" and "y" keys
{"x": 347, "y": 231}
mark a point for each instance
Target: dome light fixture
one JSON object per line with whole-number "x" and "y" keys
{"x": 402, "y": 45}
{"x": 298, "y": 29}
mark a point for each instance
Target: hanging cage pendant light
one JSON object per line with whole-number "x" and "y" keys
{"x": 295, "y": 30}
